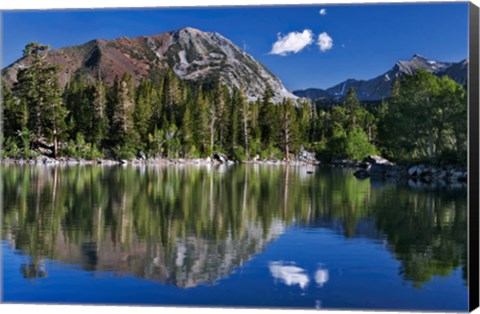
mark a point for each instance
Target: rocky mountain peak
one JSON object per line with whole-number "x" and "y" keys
{"x": 192, "y": 54}
{"x": 380, "y": 87}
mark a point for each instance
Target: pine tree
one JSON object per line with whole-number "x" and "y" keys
{"x": 171, "y": 96}
{"x": 265, "y": 118}
{"x": 122, "y": 130}
{"x": 98, "y": 91}
{"x": 256, "y": 135}
{"x": 37, "y": 86}
{"x": 78, "y": 103}
{"x": 288, "y": 126}
{"x": 201, "y": 131}
{"x": 305, "y": 122}
{"x": 188, "y": 126}
{"x": 15, "y": 113}
{"x": 213, "y": 117}
{"x": 244, "y": 112}
{"x": 233, "y": 123}
{"x": 144, "y": 104}
{"x": 352, "y": 106}
{"x": 158, "y": 105}
{"x": 217, "y": 115}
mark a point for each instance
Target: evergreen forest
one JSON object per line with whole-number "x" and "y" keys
{"x": 425, "y": 119}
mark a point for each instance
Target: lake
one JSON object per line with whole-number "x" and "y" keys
{"x": 240, "y": 236}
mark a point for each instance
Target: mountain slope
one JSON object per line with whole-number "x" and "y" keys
{"x": 380, "y": 86}
{"x": 312, "y": 93}
{"x": 192, "y": 54}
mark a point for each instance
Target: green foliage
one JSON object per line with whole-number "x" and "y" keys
{"x": 353, "y": 145}
{"x": 425, "y": 232}
{"x": 122, "y": 131}
{"x": 18, "y": 146}
{"x": 271, "y": 152}
{"x": 144, "y": 104}
{"x": 38, "y": 89}
{"x": 10, "y": 149}
{"x": 289, "y": 128}
{"x": 123, "y": 153}
{"x": 266, "y": 118}
{"x": 239, "y": 154}
{"x": 346, "y": 128}
{"x": 321, "y": 152}
{"x": 426, "y": 117}
{"x": 80, "y": 149}
{"x": 15, "y": 112}
{"x": 358, "y": 146}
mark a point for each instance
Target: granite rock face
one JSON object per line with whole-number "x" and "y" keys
{"x": 192, "y": 54}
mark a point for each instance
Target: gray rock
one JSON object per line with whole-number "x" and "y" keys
{"x": 220, "y": 157}
{"x": 379, "y": 170}
{"x": 418, "y": 170}
{"x": 361, "y": 174}
{"x": 373, "y": 159}
{"x": 442, "y": 174}
{"x": 412, "y": 171}
{"x": 365, "y": 165}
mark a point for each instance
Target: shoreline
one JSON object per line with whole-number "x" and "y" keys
{"x": 151, "y": 161}
{"x": 420, "y": 176}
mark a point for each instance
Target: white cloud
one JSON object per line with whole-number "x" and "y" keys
{"x": 323, "y": 12}
{"x": 325, "y": 42}
{"x": 321, "y": 276}
{"x": 293, "y": 42}
{"x": 289, "y": 274}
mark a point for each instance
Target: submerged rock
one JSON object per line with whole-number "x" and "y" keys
{"x": 361, "y": 174}
{"x": 380, "y": 170}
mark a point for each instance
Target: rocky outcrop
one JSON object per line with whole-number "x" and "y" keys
{"x": 416, "y": 175}
{"x": 428, "y": 173}
{"x": 375, "y": 166}
{"x": 306, "y": 156}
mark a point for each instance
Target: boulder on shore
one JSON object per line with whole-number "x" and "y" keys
{"x": 377, "y": 160}
{"x": 222, "y": 158}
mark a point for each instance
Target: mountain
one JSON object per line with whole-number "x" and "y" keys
{"x": 380, "y": 86}
{"x": 187, "y": 261}
{"x": 192, "y": 54}
{"x": 312, "y": 93}
{"x": 457, "y": 72}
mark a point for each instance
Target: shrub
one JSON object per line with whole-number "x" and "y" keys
{"x": 351, "y": 145}
{"x": 271, "y": 153}
{"x": 124, "y": 153}
{"x": 239, "y": 154}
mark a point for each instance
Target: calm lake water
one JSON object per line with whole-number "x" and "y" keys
{"x": 243, "y": 236}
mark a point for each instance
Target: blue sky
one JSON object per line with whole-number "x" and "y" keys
{"x": 366, "y": 40}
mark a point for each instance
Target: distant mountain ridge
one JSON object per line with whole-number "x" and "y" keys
{"x": 380, "y": 87}
{"x": 192, "y": 54}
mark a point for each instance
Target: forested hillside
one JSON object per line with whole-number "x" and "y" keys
{"x": 169, "y": 117}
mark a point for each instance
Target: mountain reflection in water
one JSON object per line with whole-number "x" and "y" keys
{"x": 187, "y": 226}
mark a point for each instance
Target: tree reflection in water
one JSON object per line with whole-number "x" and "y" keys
{"x": 187, "y": 225}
